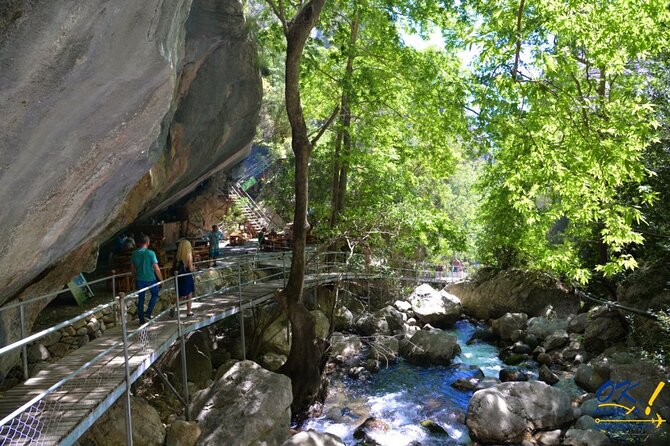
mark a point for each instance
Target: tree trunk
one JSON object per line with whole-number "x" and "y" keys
{"x": 343, "y": 139}
{"x": 303, "y": 365}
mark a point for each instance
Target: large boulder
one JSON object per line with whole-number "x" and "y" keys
{"x": 427, "y": 347}
{"x": 506, "y": 325}
{"x": 437, "y": 308}
{"x": 605, "y": 328}
{"x": 313, "y": 438}
{"x": 491, "y": 294}
{"x": 110, "y": 429}
{"x": 141, "y": 103}
{"x": 343, "y": 319}
{"x": 505, "y": 413}
{"x": 247, "y": 406}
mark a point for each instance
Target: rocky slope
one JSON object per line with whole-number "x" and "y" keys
{"x": 111, "y": 110}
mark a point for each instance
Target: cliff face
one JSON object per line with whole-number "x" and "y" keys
{"x": 111, "y": 109}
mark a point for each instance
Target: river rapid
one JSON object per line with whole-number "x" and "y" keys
{"x": 403, "y": 395}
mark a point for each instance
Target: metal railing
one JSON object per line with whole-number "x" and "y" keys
{"x": 40, "y": 418}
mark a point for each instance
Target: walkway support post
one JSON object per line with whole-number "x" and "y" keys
{"x": 24, "y": 349}
{"x": 241, "y": 312}
{"x": 283, "y": 266}
{"x": 182, "y": 340}
{"x": 126, "y": 364}
{"x": 116, "y": 309}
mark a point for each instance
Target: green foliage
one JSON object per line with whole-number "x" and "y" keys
{"x": 566, "y": 133}
{"x": 561, "y": 124}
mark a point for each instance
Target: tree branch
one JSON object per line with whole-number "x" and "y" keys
{"x": 325, "y": 126}
{"x": 279, "y": 12}
{"x": 519, "y": 15}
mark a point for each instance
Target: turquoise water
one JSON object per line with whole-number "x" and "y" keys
{"x": 403, "y": 395}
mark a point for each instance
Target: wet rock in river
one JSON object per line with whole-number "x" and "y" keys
{"x": 369, "y": 426}
{"x": 313, "y": 438}
{"x": 578, "y": 437}
{"x": 506, "y": 412}
{"x": 437, "y": 308}
{"x": 504, "y": 326}
{"x": 428, "y": 347}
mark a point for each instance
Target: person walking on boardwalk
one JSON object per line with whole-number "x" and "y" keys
{"x": 144, "y": 264}
{"x": 183, "y": 264}
{"x": 214, "y": 237}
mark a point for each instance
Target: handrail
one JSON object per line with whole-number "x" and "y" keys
{"x": 351, "y": 266}
{"x": 19, "y": 303}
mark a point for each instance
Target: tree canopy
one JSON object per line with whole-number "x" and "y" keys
{"x": 530, "y": 134}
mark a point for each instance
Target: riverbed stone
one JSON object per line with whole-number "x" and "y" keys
{"x": 345, "y": 345}
{"x": 198, "y": 359}
{"x": 506, "y": 325}
{"x": 549, "y": 438}
{"x": 369, "y": 324}
{"x": 248, "y": 405}
{"x": 437, "y": 308}
{"x": 556, "y": 340}
{"x": 588, "y": 379}
{"x": 578, "y": 437}
{"x": 427, "y": 347}
{"x": 313, "y": 438}
{"x": 506, "y": 412}
{"x": 542, "y": 327}
{"x": 577, "y": 323}
{"x": 393, "y": 318}
{"x": 384, "y": 349}
{"x": 548, "y": 376}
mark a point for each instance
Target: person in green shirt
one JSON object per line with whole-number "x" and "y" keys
{"x": 144, "y": 265}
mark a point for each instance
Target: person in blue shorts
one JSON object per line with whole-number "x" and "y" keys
{"x": 214, "y": 237}
{"x": 144, "y": 264}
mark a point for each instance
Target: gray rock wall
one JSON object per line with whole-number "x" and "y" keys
{"x": 111, "y": 109}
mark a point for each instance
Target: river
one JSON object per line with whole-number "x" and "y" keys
{"x": 403, "y": 395}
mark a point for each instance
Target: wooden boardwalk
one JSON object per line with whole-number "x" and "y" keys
{"x": 77, "y": 402}
{"x": 65, "y": 414}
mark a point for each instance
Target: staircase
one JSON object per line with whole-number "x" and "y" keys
{"x": 255, "y": 216}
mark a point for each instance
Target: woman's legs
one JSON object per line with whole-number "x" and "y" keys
{"x": 189, "y": 302}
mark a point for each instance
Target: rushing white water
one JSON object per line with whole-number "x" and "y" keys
{"x": 403, "y": 395}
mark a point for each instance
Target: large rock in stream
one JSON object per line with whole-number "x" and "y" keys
{"x": 428, "y": 347}
{"x": 437, "y": 308}
{"x": 506, "y": 412}
{"x": 247, "y": 406}
{"x": 134, "y": 104}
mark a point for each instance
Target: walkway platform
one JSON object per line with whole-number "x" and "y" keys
{"x": 75, "y": 403}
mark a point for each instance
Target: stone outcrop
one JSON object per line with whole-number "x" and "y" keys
{"x": 491, "y": 294}
{"x": 110, "y": 113}
{"x": 246, "y": 406}
{"x": 506, "y": 412}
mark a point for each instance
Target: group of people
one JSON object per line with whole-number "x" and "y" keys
{"x": 148, "y": 276}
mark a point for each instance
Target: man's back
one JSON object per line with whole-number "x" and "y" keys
{"x": 144, "y": 260}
